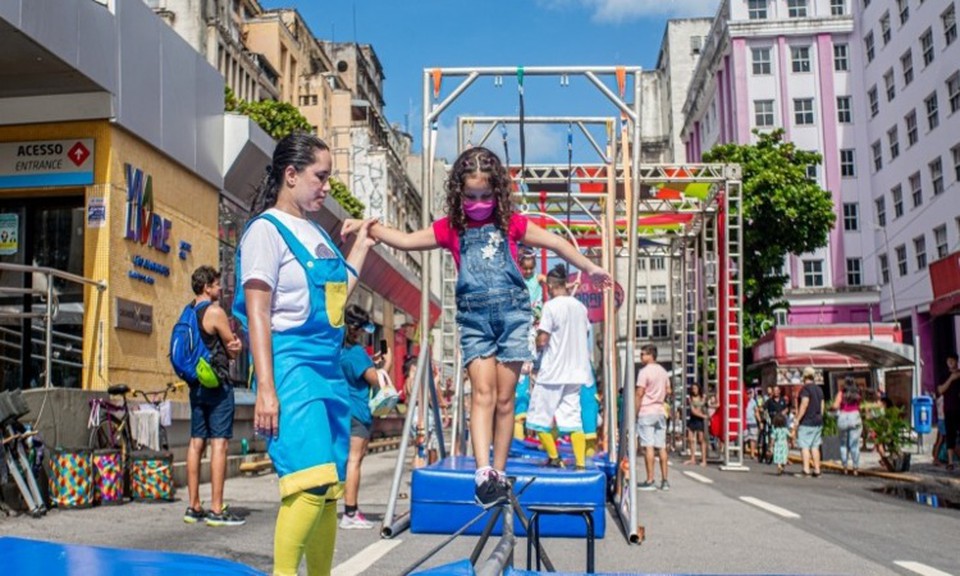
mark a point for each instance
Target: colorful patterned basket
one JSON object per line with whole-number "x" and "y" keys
{"x": 108, "y": 474}
{"x": 71, "y": 478}
{"x": 151, "y": 475}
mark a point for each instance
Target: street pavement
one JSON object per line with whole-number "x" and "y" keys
{"x": 711, "y": 521}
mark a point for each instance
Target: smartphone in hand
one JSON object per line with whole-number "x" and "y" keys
{"x": 383, "y": 347}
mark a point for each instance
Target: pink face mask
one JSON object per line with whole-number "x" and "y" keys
{"x": 478, "y": 209}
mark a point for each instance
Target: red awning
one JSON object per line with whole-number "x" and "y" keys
{"x": 382, "y": 274}
{"x": 945, "y": 281}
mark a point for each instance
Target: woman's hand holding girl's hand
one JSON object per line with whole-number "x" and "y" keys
{"x": 364, "y": 237}
{"x": 350, "y": 226}
{"x": 599, "y": 276}
{"x": 266, "y": 414}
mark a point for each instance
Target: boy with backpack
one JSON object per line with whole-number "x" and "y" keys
{"x": 200, "y": 350}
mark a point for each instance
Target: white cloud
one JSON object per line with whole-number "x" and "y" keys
{"x": 618, "y": 11}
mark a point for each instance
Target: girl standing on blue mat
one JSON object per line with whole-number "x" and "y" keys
{"x": 482, "y": 230}
{"x": 295, "y": 285}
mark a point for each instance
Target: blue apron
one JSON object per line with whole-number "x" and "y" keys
{"x": 310, "y": 452}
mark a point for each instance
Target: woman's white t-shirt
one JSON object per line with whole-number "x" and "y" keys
{"x": 264, "y": 256}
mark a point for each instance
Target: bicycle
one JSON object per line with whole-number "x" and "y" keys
{"x": 110, "y": 423}
{"x": 18, "y": 441}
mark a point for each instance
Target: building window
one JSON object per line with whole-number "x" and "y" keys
{"x": 761, "y": 60}
{"x": 696, "y": 44}
{"x": 658, "y": 263}
{"x": 641, "y": 294}
{"x": 926, "y": 43}
{"x": 812, "y": 273}
{"x": 956, "y": 161}
{"x": 933, "y": 111}
{"x": 854, "y": 275}
{"x": 920, "y": 248}
{"x": 800, "y": 58}
{"x": 763, "y": 113}
{"x": 896, "y": 198}
{"x": 841, "y": 57}
{"x": 874, "y": 101}
{"x": 811, "y": 171}
{"x": 890, "y": 84}
{"x": 916, "y": 189}
{"x": 901, "y": 251}
{"x": 881, "y": 206}
{"x": 757, "y": 9}
{"x": 884, "y": 269}
{"x": 953, "y": 91}
{"x": 660, "y": 329}
{"x": 911, "y": 121}
{"x": 796, "y": 8}
{"x": 903, "y": 6}
{"x": 658, "y": 294}
{"x": 885, "y": 28}
{"x": 844, "y": 112}
{"x": 868, "y": 46}
{"x": 894, "y": 142}
{"x": 641, "y": 263}
{"x": 851, "y": 216}
{"x": 936, "y": 176}
{"x": 838, "y": 7}
{"x": 906, "y": 61}
{"x": 940, "y": 239}
{"x": 877, "y": 156}
{"x": 848, "y": 163}
{"x": 643, "y": 330}
{"x": 949, "y": 19}
{"x": 803, "y": 111}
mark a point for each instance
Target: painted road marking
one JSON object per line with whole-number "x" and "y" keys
{"x": 698, "y": 477}
{"x": 769, "y": 507}
{"x": 365, "y": 558}
{"x": 920, "y": 568}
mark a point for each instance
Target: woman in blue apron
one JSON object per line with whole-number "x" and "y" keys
{"x": 295, "y": 285}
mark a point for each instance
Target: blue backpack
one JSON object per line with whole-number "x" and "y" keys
{"x": 189, "y": 355}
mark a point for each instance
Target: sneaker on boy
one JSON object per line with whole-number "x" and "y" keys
{"x": 224, "y": 518}
{"x": 192, "y": 516}
{"x": 356, "y": 522}
{"x": 646, "y": 486}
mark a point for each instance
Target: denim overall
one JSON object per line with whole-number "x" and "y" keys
{"x": 311, "y": 448}
{"x": 493, "y": 305}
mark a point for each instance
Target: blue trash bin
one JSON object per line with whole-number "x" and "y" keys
{"x": 922, "y": 414}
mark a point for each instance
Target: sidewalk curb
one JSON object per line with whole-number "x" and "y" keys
{"x": 898, "y": 476}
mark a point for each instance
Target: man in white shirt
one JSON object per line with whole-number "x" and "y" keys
{"x": 653, "y": 385}
{"x": 565, "y": 367}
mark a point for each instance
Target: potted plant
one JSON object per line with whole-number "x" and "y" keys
{"x": 830, "y": 444}
{"x": 890, "y": 428}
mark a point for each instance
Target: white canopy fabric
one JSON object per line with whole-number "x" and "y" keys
{"x": 877, "y": 353}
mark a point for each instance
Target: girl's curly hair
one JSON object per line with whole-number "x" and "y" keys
{"x": 479, "y": 160}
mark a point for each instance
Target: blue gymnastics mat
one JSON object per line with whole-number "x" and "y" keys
{"x": 23, "y": 557}
{"x": 442, "y": 497}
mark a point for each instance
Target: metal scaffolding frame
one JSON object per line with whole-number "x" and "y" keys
{"x": 707, "y": 225}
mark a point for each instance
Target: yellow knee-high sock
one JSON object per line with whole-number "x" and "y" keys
{"x": 591, "y": 446}
{"x": 304, "y": 526}
{"x": 518, "y": 430}
{"x": 579, "y": 441}
{"x": 549, "y": 444}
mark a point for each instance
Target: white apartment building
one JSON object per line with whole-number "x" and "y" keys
{"x": 911, "y": 89}
{"x": 795, "y": 65}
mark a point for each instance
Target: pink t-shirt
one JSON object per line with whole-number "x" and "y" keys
{"x": 654, "y": 379}
{"x": 449, "y": 238}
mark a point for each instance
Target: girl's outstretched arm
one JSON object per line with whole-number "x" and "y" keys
{"x": 420, "y": 240}
{"x": 540, "y": 238}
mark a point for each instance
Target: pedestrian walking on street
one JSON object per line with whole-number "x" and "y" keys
{"x": 653, "y": 386}
{"x": 696, "y": 436}
{"x": 211, "y": 409}
{"x": 780, "y": 438}
{"x": 295, "y": 284}
{"x": 482, "y": 231}
{"x": 950, "y": 390}
{"x": 849, "y": 425}
{"x": 808, "y": 425}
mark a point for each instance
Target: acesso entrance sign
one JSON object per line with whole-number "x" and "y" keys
{"x": 42, "y": 163}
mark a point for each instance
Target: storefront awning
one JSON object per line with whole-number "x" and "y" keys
{"x": 826, "y": 361}
{"x": 945, "y": 281}
{"x": 876, "y": 353}
{"x": 383, "y": 274}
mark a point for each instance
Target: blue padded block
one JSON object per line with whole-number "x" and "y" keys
{"x": 27, "y": 557}
{"x": 461, "y": 568}
{"x": 442, "y": 497}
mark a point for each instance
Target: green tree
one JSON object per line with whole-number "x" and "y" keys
{"x": 276, "y": 118}
{"x": 346, "y": 199}
{"x": 784, "y": 212}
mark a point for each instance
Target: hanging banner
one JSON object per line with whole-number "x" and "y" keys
{"x": 9, "y": 234}
{"x": 44, "y": 163}
{"x": 591, "y": 295}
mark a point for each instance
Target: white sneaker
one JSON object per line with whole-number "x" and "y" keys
{"x": 355, "y": 522}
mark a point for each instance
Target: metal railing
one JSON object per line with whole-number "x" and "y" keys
{"x": 49, "y": 312}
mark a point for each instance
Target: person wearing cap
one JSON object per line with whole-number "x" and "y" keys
{"x": 562, "y": 336}
{"x": 361, "y": 375}
{"x": 808, "y": 425}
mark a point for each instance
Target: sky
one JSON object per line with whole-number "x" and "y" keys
{"x": 410, "y": 35}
